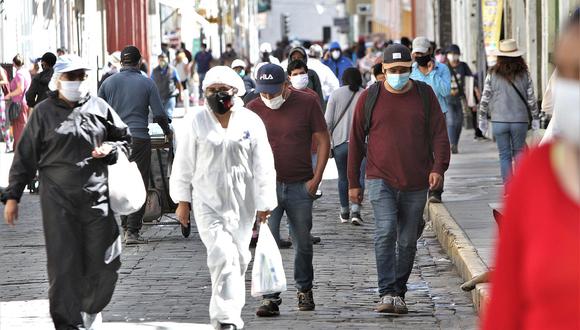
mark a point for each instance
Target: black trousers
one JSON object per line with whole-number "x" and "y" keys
{"x": 141, "y": 155}
{"x": 82, "y": 240}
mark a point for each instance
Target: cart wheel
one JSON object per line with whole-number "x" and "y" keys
{"x": 186, "y": 230}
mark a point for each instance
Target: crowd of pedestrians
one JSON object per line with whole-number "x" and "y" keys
{"x": 391, "y": 123}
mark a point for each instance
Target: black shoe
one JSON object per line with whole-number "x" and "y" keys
{"x": 305, "y": 301}
{"x": 356, "y": 219}
{"x": 228, "y": 326}
{"x": 284, "y": 244}
{"x": 435, "y": 197}
{"x": 454, "y": 149}
{"x": 315, "y": 239}
{"x": 134, "y": 239}
{"x": 268, "y": 309}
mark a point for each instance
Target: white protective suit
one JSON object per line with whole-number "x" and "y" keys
{"x": 232, "y": 174}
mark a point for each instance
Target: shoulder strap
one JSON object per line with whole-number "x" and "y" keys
{"x": 371, "y": 99}
{"x": 457, "y": 80}
{"x": 522, "y": 98}
{"x": 342, "y": 114}
{"x": 423, "y": 94}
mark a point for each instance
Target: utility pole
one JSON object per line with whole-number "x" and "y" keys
{"x": 220, "y": 25}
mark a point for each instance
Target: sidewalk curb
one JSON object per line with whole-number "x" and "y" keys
{"x": 460, "y": 249}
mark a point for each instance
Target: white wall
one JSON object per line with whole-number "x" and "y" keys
{"x": 305, "y": 21}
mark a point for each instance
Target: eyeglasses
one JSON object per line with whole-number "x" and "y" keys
{"x": 225, "y": 90}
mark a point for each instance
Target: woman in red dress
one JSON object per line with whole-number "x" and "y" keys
{"x": 536, "y": 282}
{"x": 18, "y": 87}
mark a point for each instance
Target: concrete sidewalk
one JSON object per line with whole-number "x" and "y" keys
{"x": 464, "y": 222}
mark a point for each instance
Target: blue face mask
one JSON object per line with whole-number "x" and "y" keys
{"x": 398, "y": 81}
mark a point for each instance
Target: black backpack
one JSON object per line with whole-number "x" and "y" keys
{"x": 371, "y": 100}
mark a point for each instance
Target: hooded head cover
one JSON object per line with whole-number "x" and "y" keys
{"x": 299, "y": 50}
{"x": 224, "y": 75}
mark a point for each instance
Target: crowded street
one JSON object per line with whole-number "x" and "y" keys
{"x": 289, "y": 164}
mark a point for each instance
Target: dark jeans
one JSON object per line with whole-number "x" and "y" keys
{"x": 399, "y": 224}
{"x": 454, "y": 121}
{"x": 141, "y": 155}
{"x": 201, "y": 78}
{"x": 296, "y": 201}
{"x": 341, "y": 160}
{"x": 478, "y": 132}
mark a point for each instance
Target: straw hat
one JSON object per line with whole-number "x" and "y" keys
{"x": 508, "y": 48}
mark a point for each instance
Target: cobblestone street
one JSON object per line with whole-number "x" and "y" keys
{"x": 167, "y": 280}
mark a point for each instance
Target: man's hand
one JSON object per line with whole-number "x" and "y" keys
{"x": 312, "y": 186}
{"x": 182, "y": 96}
{"x": 263, "y": 215}
{"x": 483, "y": 125}
{"x": 169, "y": 137}
{"x": 355, "y": 195}
{"x": 535, "y": 124}
{"x": 11, "y": 212}
{"x": 435, "y": 181}
{"x": 182, "y": 213}
{"x": 102, "y": 151}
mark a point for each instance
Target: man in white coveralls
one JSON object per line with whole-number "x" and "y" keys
{"x": 223, "y": 153}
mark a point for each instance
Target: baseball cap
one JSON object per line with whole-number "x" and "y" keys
{"x": 421, "y": 45}
{"x": 270, "y": 78}
{"x": 48, "y": 58}
{"x": 454, "y": 49}
{"x": 68, "y": 63}
{"x": 238, "y": 63}
{"x": 130, "y": 55}
{"x": 397, "y": 55}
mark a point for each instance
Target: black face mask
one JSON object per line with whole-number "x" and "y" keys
{"x": 220, "y": 102}
{"x": 423, "y": 60}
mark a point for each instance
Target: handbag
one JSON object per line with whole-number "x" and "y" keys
{"x": 338, "y": 121}
{"x": 153, "y": 206}
{"x": 126, "y": 188}
{"x": 13, "y": 112}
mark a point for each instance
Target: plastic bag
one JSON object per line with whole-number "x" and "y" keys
{"x": 268, "y": 272}
{"x": 126, "y": 188}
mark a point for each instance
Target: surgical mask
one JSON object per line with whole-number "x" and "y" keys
{"x": 274, "y": 103}
{"x": 220, "y": 102}
{"x": 397, "y": 81}
{"x": 453, "y": 57}
{"x": 423, "y": 60}
{"x": 335, "y": 54}
{"x": 162, "y": 64}
{"x": 566, "y": 112}
{"x": 73, "y": 91}
{"x": 299, "y": 81}
{"x": 242, "y": 73}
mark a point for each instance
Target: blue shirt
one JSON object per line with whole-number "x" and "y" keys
{"x": 130, "y": 94}
{"x": 202, "y": 60}
{"x": 440, "y": 81}
{"x": 338, "y": 66}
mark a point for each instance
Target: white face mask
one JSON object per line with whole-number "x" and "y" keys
{"x": 274, "y": 103}
{"x": 73, "y": 90}
{"x": 299, "y": 81}
{"x": 566, "y": 111}
{"x": 453, "y": 57}
{"x": 335, "y": 54}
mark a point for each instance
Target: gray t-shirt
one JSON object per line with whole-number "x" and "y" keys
{"x": 336, "y": 105}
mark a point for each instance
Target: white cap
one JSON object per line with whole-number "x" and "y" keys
{"x": 238, "y": 63}
{"x": 68, "y": 63}
{"x": 421, "y": 45}
{"x": 265, "y": 47}
{"x": 224, "y": 75}
{"x": 115, "y": 57}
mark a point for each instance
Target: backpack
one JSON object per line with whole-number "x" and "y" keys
{"x": 371, "y": 100}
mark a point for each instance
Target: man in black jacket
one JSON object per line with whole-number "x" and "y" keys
{"x": 39, "y": 87}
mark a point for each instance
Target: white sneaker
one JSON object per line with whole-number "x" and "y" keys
{"x": 356, "y": 219}
{"x": 92, "y": 321}
{"x": 344, "y": 217}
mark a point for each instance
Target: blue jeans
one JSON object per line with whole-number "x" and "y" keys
{"x": 454, "y": 121}
{"x": 511, "y": 140}
{"x": 399, "y": 224}
{"x": 341, "y": 160}
{"x": 168, "y": 106}
{"x": 201, "y": 78}
{"x": 296, "y": 201}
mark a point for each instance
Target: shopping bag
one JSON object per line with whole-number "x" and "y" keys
{"x": 126, "y": 188}
{"x": 268, "y": 272}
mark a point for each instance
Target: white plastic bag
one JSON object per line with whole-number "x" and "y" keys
{"x": 268, "y": 272}
{"x": 126, "y": 188}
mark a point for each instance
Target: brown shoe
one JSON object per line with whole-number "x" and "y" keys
{"x": 400, "y": 306}
{"x": 386, "y": 304}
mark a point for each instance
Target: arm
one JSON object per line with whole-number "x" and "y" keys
{"x": 439, "y": 138}
{"x": 356, "y": 144}
{"x": 117, "y": 136}
{"x": 441, "y": 80}
{"x": 485, "y": 98}
{"x": 263, "y": 170}
{"x": 548, "y": 99}
{"x": 321, "y": 138}
{"x": 26, "y": 158}
{"x": 156, "y": 105}
{"x": 17, "y": 91}
{"x": 32, "y": 93}
{"x": 532, "y": 104}
{"x": 183, "y": 167}
{"x": 329, "y": 115}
